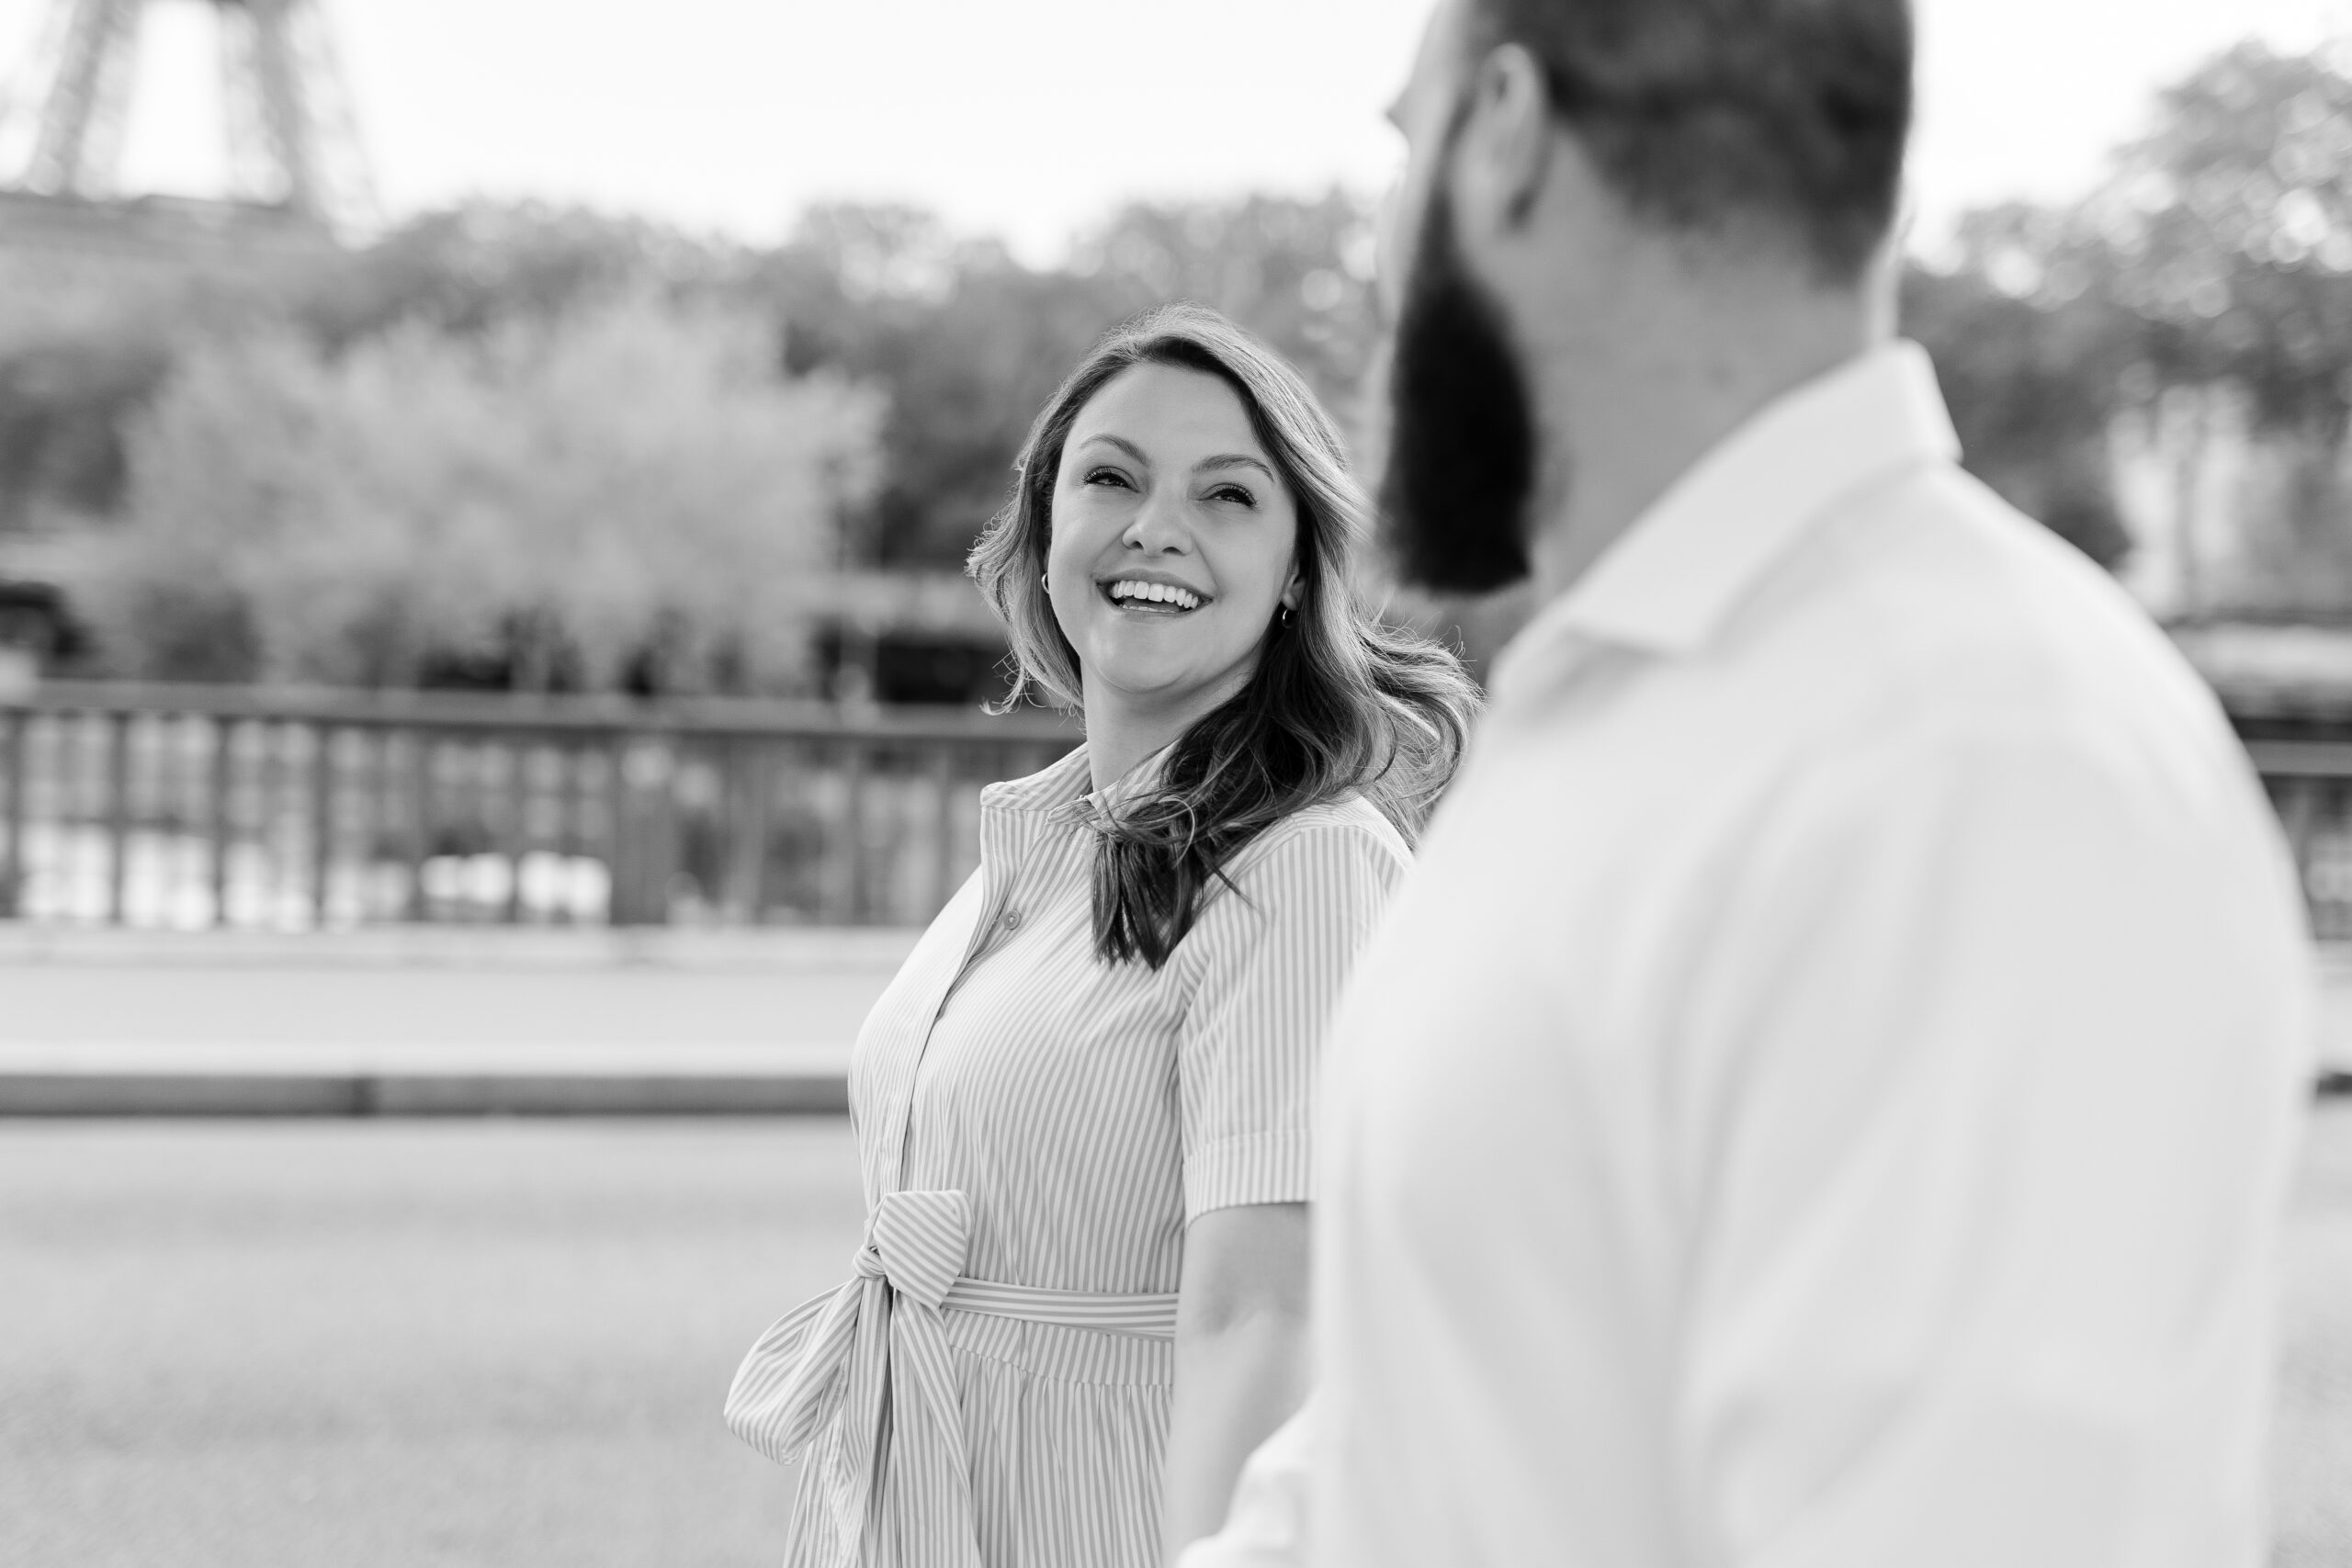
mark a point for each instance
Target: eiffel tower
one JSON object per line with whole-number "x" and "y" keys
{"x": 76, "y": 247}
{"x": 290, "y": 141}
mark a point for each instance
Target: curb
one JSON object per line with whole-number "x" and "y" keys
{"x": 427, "y": 1078}
{"x": 880, "y": 949}
{"x": 365, "y": 1094}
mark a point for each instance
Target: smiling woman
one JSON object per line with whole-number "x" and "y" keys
{"x": 1174, "y": 545}
{"x": 1175, "y": 563}
{"x": 1085, "y": 1106}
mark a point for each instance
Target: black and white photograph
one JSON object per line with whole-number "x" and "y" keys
{"x": 1176, "y": 783}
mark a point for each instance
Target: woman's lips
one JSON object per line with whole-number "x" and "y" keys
{"x": 1151, "y": 598}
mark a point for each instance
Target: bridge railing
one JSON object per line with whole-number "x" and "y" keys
{"x": 185, "y": 807}
{"x": 2311, "y": 785}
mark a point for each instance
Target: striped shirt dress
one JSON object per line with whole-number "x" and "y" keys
{"x": 1036, "y": 1127}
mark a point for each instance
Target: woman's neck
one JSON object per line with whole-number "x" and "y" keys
{"x": 1122, "y": 731}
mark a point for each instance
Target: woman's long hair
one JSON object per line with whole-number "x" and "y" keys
{"x": 1339, "y": 702}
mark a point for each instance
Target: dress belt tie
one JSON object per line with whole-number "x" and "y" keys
{"x": 839, "y": 1355}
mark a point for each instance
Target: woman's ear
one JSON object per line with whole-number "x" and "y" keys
{"x": 1295, "y": 590}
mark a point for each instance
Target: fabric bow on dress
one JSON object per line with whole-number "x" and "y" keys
{"x": 831, "y": 1358}
{"x": 836, "y": 1359}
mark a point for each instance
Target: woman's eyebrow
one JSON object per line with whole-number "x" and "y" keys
{"x": 1231, "y": 460}
{"x": 1123, "y": 444}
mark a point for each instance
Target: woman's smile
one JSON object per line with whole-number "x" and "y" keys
{"x": 1148, "y": 595}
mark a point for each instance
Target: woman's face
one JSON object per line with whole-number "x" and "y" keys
{"x": 1175, "y": 541}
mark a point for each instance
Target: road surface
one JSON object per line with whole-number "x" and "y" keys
{"x": 487, "y": 1344}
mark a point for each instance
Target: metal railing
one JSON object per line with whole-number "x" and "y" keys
{"x": 2310, "y": 785}
{"x": 191, "y": 806}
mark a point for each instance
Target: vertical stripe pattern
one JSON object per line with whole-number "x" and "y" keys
{"x": 1035, "y": 1128}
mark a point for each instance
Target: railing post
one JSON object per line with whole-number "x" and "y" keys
{"x": 421, "y": 768}
{"x": 854, "y": 770}
{"x": 323, "y": 813}
{"x": 368, "y": 750}
{"x": 570, "y": 803}
{"x": 118, "y": 812}
{"x": 220, "y": 823}
{"x": 12, "y": 827}
{"x": 750, "y": 784}
{"x": 645, "y": 828}
{"x": 515, "y": 824}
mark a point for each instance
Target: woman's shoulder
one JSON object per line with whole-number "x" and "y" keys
{"x": 1346, "y": 832}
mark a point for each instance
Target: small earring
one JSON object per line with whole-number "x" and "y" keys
{"x": 1046, "y": 583}
{"x": 1286, "y": 617}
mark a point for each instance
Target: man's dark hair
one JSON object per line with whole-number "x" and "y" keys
{"x": 1731, "y": 116}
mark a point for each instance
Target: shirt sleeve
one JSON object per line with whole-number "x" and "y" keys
{"x": 1274, "y": 951}
{"x": 1983, "y": 1128}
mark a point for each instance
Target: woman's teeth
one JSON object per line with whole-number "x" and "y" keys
{"x": 1155, "y": 593}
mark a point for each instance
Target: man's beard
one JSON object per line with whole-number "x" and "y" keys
{"x": 1461, "y": 464}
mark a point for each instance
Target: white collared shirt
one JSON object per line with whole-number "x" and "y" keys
{"x": 1824, "y": 1096}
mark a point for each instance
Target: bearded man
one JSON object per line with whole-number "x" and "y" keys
{"x": 1824, "y": 1096}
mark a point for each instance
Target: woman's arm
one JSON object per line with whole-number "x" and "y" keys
{"x": 1241, "y": 1361}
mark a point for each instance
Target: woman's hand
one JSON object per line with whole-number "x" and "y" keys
{"x": 1241, "y": 1361}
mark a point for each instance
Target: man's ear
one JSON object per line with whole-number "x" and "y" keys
{"x": 1505, "y": 149}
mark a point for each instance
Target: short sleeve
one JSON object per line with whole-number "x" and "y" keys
{"x": 1272, "y": 953}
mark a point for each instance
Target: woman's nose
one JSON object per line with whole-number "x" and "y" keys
{"x": 1159, "y": 524}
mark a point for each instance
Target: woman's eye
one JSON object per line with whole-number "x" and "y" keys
{"x": 1234, "y": 493}
{"x": 1107, "y": 476}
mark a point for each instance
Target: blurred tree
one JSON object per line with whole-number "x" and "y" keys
{"x": 1296, "y": 273}
{"x": 473, "y": 389}
{"x": 2227, "y": 232}
{"x": 63, "y": 401}
{"x": 970, "y": 343}
{"x": 70, "y": 387}
{"x": 628, "y": 489}
{"x": 965, "y": 342}
{"x": 477, "y": 267}
{"x": 2031, "y": 386}
{"x": 2214, "y": 261}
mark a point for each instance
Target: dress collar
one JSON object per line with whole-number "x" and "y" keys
{"x": 1672, "y": 578}
{"x": 1056, "y": 784}
{"x": 1068, "y": 787}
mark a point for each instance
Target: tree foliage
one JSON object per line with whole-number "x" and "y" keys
{"x": 521, "y": 443}
{"x": 2031, "y": 393}
{"x": 2214, "y": 261}
{"x": 624, "y": 493}
{"x": 970, "y": 343}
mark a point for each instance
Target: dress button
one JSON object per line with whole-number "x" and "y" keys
{"x": 1013, "y": 920}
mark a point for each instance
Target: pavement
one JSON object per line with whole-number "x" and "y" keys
{"x": 503, "y": 1343}
{"x": 453, "y": 1342}
{"x": 434, "y": 1021}
{"x": 485, "y": 1020}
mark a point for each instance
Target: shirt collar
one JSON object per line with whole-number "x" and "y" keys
{"x": 1058, "y": 785}
{"x": 1668, "y": 583}
{"x": 1067, "y": 787}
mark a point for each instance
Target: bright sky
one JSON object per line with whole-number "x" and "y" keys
{"x": 1029, "y": 118}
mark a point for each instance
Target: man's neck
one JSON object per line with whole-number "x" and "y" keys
{"x": 1623, "y": 415}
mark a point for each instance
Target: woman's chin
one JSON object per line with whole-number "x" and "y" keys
{"x": 1156, "y": 685}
